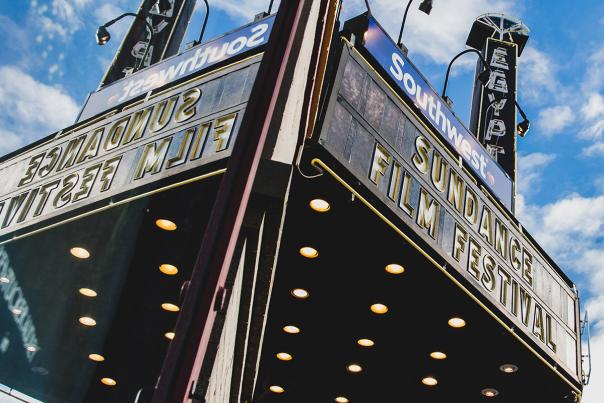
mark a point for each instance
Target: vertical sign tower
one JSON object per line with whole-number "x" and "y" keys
{"x": 501, "y": 40}
{"x": 169, "y": 20}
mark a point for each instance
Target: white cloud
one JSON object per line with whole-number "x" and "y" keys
{"x": 593, "y": 111}
{"x": 554, "y": 119}
{"x": 537, "y": 73}
{"x": 530, "y": 167}
{"x": 30, "y": 109}
{"x": 593, "y": 150}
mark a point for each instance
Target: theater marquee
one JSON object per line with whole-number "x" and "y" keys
{"x": 172, "y": 132}
{"x": 376, "y": 136}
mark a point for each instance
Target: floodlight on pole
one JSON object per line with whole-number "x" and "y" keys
{"x": 103, "y": 36}
{"x": 205, "y": 20}
{"x": 425, "y": 6}
{"x": 524, "y": 126}
{"x": 483, "y": 77}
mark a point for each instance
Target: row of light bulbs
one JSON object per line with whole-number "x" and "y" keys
{"x": 309, "y": 252}
{"x": 166, "y": 268}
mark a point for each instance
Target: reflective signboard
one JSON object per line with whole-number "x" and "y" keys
{"x": 175, "y": 68}
{"x": 376, "y": 136}
{"x": 418, "y": 91}
{"x": 172, "y": 132}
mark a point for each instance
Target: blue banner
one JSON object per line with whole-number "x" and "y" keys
{"x": 416, "y": 89}
{"x": 196, "y": 59}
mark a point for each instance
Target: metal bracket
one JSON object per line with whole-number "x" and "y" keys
{"x": 585, "y": 358}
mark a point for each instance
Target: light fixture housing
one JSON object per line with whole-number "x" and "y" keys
{"x": 489, "y": 392}
{"x": 508, "y": 368}
{"x": 79, "y": 252}
{"x": 484, "y": 77}
{"x": 87, "y": 321}
{"x": 291, "y": 329}
{"x": 87, "y": 292}
{"x": 320, "y": 205}
{"x": 309, "y": 252}
{"x": 168, "y": 269}
{"x": 456, "y": 322}
{"x": 165, "y": 224}
{"x": 96, "y": 357}
{"x": 109, "y": 381}
{"x": 395, "y": 268}
{"x": 354, "y": 368}
{"x": 438, "y": 355}
{"x": 102, "y": 35}
{"x": 426, "y": 6}
{"x": 523, "y": 127}
{"x": 379, "y": 309}
{"x": 300, "y": 293}
{"x": 284, "y": 356}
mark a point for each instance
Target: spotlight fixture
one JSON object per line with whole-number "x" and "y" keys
{"x": 284, "y": 356}
{"x": 524, "y": 126}
{"x": 166, "y": 224}
{"x": 425, "y": 6}
{"x": 354, "y": 368}
{"x": 309, "y": 252}
{"x": 365, "y": 342}
{"x": 438, "y": 355}
{"x": 300, "y": 293}
{"x": 96, "y": 357}
{"x": 456, "y": 323}
{"x": 103, "y": 36}
{"x": 508, "y": 368}
{"x": 394, "y": 268}
{"x": 429, "y": 381}
{"x": 168, "y": 269}
{"x": 276, "y": 389}
{"x": 291, "y": 329}
{"x": 483, "y": 76}
{"x": 320, "y": 205}
{"x": 379, "y": 309}
{"x": 79, "y": 252}
{"x": 341, "y": 399}
{"x": 490, "y": 392}
{"x": 108, "y": 381}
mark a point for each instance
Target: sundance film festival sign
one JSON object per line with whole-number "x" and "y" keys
{"x": 418, "y": 90}
{"x": 377, "y": 138}
{"x": 171, "y": 133}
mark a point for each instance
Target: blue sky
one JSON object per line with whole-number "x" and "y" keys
{"x": 49, "y": 61}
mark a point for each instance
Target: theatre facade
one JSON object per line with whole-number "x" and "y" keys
{"x": 288, "y": 212}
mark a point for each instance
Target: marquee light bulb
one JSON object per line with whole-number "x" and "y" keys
{"x": 168, "y": 269}
{"x": 109, "y": 381}
{"x": 276, "y": 389}
{"x": 165, "y": 224}
{"x": 309, "y": 252}
{"x": 457, "y": 323}
{"x": 429, "y": 381}
{"x": 79, "y": 252}
{"x": 379, "y": 309}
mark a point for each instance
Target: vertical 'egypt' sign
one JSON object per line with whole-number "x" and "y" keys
{"x": 495, "y": 108}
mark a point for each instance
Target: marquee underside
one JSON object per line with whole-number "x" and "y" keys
{"x": 348, "y": 276}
